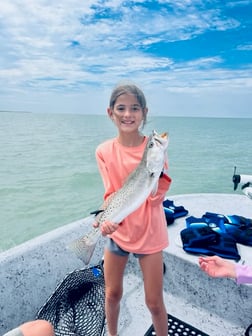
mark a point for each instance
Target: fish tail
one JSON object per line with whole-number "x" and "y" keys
{"x": 84, "y": 247}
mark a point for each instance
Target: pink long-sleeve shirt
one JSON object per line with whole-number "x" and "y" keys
{"x": 145, "y": 230}
{"x": 243, "y": 274}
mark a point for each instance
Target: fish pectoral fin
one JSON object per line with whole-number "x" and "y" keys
{"x": 96, "y": 212}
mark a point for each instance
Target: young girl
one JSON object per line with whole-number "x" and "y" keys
{"x": 144, "y": 232}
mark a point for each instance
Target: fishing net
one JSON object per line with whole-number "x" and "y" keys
{"x": 77, "y": 305}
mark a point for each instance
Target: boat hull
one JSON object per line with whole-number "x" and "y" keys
{"x": 30, "y": 273}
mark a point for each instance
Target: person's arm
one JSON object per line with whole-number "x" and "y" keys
{"x": 109, "y": 189}
{"x": 33, "y": 328}
{"x": 217, "y": 267}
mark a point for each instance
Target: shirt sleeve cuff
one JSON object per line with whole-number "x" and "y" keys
{"x": 243, "y": 274}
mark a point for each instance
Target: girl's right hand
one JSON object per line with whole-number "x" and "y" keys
{"x": 108, "y": 228}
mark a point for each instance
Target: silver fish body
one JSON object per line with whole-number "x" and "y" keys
{"x": 139, "y": 185}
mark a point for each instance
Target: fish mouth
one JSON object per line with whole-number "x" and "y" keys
{"x": 160, "y": 137}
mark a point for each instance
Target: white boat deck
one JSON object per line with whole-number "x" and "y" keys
{"x": 219, "y": 307}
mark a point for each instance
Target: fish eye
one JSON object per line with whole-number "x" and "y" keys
{"x": 151, "y": 144}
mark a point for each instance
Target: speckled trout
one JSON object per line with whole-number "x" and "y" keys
{"x": 138, "y": 186}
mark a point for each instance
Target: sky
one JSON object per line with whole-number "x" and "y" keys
{"x": 190, "y": 57}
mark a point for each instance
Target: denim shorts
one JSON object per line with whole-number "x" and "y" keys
{"x": 116, "y": 249}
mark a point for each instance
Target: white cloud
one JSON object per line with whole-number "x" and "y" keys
{"x": 246, "y": 47}
{"x": 56, "y": 53}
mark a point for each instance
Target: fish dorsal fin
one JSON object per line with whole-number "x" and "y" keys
{"x": 96, "y": 212}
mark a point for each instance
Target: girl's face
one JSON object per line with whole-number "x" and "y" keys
{"x": 127, "y": 113}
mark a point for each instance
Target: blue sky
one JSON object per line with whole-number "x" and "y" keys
{"x": 190, "y": 57}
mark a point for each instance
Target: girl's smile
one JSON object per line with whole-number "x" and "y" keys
{"x": 127, "y": 113}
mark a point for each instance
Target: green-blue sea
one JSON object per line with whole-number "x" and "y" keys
{"x": 49, "y": 177}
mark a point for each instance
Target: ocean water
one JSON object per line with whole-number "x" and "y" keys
{"x": 49, "y": 177}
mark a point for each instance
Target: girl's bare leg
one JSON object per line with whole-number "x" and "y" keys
{"x": 152, "y": 268}
{"x": 114, "y": 266}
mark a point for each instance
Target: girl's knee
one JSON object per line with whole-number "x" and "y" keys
{"x": 113, "y": 295}
{"x": 155, "y": 306}
{"x": 155, "y": 310}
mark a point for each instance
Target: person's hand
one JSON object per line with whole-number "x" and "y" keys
{"x": 217, "y": 267}
{"x": 107, "y": 227}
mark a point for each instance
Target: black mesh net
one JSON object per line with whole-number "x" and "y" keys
{"x": 77, "y": 305}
